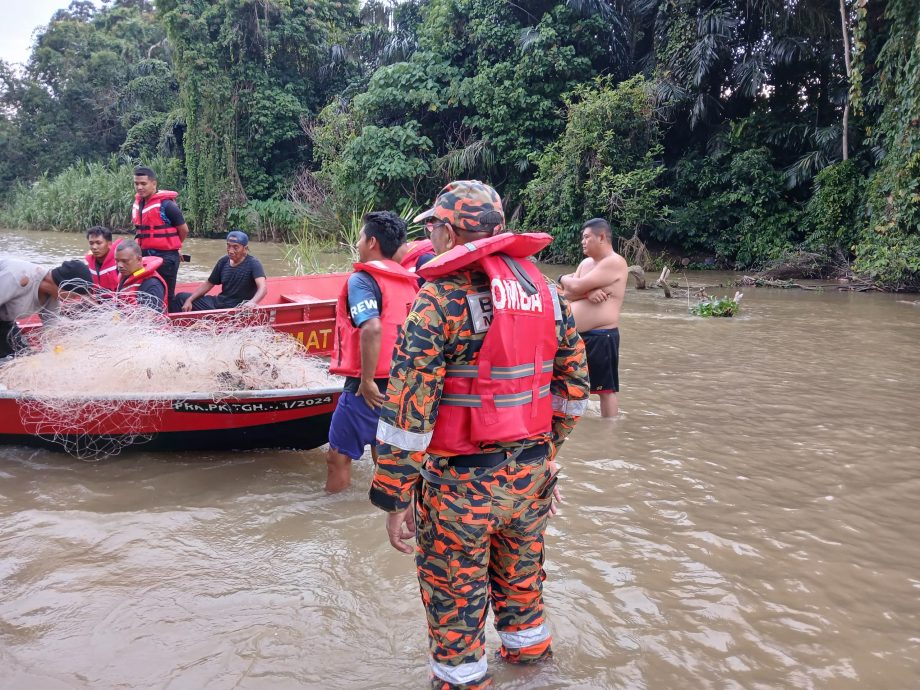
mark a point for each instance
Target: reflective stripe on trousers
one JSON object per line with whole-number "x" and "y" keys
{"x": 464, "y": 673}
{"x": 524, "y": 638}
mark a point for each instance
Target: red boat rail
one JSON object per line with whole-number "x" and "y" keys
{"x": 303, "y": 306}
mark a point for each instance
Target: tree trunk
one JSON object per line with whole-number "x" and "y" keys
{"x": 844, "y": 25}
{"x": 638, "y": 273}
{"x": 845, "y": 145}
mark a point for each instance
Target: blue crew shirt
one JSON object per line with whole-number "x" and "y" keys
{"x": 364, "y": 303}
{"x": 364, "y": 298}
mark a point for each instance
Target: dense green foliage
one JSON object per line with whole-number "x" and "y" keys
{"x": 729, "y": 131}
{"x": 733, "y": 205}
{"x": 834, "y": 213}
{"x": 85, "y": 194}
{"x": 889, "y": 247}
{"x": 248, "y": 73}
{"x": 604, "y": 164}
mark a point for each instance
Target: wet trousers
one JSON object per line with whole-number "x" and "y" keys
{"x": 11, "y": 338}
{"x": 479, "y": 543}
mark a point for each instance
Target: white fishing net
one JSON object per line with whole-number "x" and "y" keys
{"x": 112, "y": 366}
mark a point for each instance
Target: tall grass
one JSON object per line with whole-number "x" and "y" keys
{"x": 322, "y": 233}
{"x": 276, "y": 220}
{"x": 83, "y": 195}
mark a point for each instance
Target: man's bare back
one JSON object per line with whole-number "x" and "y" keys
{"x": 596, "y": 292}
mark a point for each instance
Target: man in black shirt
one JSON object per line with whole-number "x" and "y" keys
{"x": 240, "y": 274}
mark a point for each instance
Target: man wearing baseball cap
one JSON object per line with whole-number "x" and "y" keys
{"x": 26, "y": 288}
{"x": 240, "y": 275}
{"x": 488, "y": 378}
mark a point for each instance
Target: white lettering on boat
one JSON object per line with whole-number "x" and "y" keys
{"x": 250, "y": 407}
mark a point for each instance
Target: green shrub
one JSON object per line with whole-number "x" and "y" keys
{"x": 312, "y": 243}
{"x": 833, "y": 216}
{"x": 382, "y": 164}
{"x": 604, "y": 164}
{"x": 715, "y": 306}
{"x": 733, "y": 203}
{"x": 888, "y": 251}
{"x": 273, "y": 219}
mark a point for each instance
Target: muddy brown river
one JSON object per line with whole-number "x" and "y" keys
{"x": 751, "y": 521}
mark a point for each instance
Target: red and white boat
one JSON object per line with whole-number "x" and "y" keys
{"x": 248, "y": 419}
{"x": 302, "y": 306}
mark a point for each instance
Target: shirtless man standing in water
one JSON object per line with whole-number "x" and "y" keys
{"x": 595, "y": 292}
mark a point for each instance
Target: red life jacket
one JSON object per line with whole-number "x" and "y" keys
{"x": 416, "y": 249}
{"x": 505, "y": 394}
{"x": 107, "y": 275}
{"x": 127, "y": 291}
{"x": 151, "y": 227}
{"x": 398, "y": 288}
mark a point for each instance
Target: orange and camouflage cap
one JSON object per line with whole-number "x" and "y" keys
{"x": 468, "y": 205}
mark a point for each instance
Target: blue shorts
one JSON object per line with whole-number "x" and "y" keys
{"x": 354, "y": 425}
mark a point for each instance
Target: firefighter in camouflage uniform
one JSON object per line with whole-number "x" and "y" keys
{"x": 488, "y": 378}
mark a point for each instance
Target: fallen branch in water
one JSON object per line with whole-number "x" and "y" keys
{"x": 859, "y": 286}
{"x": 638, "y": 273}
{"x": 748, "y": 281}
{"x": 662, "y": 281}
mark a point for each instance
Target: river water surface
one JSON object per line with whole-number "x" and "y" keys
{"x": 752, "y": 520}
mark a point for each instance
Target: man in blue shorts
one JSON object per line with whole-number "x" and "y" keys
{"x": 369, "y": 316}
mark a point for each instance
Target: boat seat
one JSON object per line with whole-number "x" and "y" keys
{"x": 300, "y": 298}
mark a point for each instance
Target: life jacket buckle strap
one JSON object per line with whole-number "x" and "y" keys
{"x": 527, "y": 284}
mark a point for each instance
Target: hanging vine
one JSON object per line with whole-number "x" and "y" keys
{"x": 248, "y": 72}
{"x": 889, "y": 251}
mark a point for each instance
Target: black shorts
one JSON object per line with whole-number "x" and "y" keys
{"x": 603, "y": 348}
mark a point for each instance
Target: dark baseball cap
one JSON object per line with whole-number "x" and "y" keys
{"x": 238, "y": 237}
{"x": 73, "y": 276}
{"x": 468, "y": 205}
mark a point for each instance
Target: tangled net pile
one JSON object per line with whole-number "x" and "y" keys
{"x": 111, "y": 366}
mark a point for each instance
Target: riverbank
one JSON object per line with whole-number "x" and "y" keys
{"x": 305, "y": 255}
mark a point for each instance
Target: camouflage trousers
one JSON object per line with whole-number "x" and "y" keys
{"x": 480, "y": 542}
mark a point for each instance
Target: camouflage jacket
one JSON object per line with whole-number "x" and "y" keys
{"x": 438, "y": 331}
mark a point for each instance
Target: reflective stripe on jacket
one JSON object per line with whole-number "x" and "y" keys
{"x": 151, "y": 226}
{"x": 106, "y": 276}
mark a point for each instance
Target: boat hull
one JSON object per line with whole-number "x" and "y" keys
{"x": 248, "y": 420}
{"x": 301, "y": 306}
